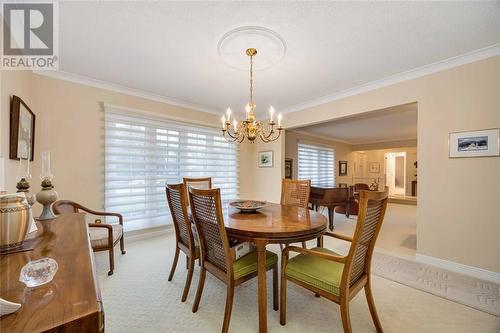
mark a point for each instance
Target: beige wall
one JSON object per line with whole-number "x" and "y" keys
{"x": 458, "y": 211}
{"x": 16, "y": 83}
{"x": 343, "y": 152}
{"x": 261, "y": 183}
{"x": 70, "y": 123}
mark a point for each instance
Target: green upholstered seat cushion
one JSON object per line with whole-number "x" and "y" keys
{"x": 248, "y": 263}
{"x": 317, "y": 272}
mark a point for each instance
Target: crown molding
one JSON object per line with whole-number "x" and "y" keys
{"x": 352, "y": 144}
{"x": 466, "y": 58}
{"x": 80, "y": 79}
{"x": 384, "y": 141}
{"x": 318, "y": 136}
{"x": 463, "y": 59}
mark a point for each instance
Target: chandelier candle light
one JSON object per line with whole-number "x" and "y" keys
{"x": 250, "y": 127}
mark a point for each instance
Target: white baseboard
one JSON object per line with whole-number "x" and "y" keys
{"x": 137, "y": 235}
{"x": 479, "y": 273}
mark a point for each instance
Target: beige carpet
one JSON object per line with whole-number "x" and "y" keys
{"x": 398, "y": 239}
{"x": 138, "y": 298}
{"x": 399, "y": 230}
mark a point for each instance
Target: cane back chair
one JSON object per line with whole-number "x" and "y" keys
{"x": 216, "y": 254}
{"x": 339, "y": 278}
{"x": 184, "y": 239}
{"x": 295, "y": 193}
{"x": 201, "y": 183}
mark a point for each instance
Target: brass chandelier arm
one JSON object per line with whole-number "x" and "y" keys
{"x": 231, "y": 137}
{"x": 270, "y": 137}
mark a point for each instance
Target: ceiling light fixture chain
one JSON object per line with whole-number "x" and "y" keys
{"x": 250, "y": 127}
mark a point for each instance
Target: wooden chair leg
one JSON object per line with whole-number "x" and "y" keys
{"x": 199, "y": 291}
{"x": 283, "y": 292}
{"x": 371, "y": 305}
{"x": 275, "y": 288}
{"x": 174, "y": 264}
{"x": 229, "y": 308}
{"x": 122, "y": 245}
{"x": 344, "y": 313}
{"x": 319, "y": 242}
{"x": 111, "y": 260}
{"x": 189, "y": 277}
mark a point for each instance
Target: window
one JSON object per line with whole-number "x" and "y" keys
{"x": 142, "y": 155}
{"x": 316, "y": 163}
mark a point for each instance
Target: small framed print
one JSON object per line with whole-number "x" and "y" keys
{"x": 342, "y": 168}
{"x": 374, "y": 167}
{"x": 288, "y": 168}
{"x": 22, "y": 130}
{"x": 481, "y": 143}
{"x": 266, "y": 159}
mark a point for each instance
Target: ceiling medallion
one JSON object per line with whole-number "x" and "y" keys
{"x": 271, "y": 46}
{"x": 250, "y": 127}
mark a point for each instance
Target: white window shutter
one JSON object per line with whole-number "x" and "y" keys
{"x": 142, "y": 155}
{"x": 316, "y": 163}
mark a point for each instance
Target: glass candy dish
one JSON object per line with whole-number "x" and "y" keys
{"x": 38, "y": 272}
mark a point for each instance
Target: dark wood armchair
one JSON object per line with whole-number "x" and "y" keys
{"x": 339, "y": 278}
{"x": 103, "y": 236}
{"x": 216, "y": 256}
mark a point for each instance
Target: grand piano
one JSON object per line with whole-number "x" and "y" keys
{"x": 330, "y": 197}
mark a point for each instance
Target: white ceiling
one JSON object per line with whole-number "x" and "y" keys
{"x": 170, "y": 48}
{"x": 385, "y": 125}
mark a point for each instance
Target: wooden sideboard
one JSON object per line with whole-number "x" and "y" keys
{"x": 72, "y": 301}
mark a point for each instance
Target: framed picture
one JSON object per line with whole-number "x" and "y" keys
{"x": 480, "y": 143}
{"x": 342, "y": 168}
{"x": 22, "y": 130}
{"x": 374, "y": 167}
{"x": 266, "y": 159}
{"x": 288, "y": 168}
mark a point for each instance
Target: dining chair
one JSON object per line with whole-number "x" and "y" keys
{"x": 103, "y": 236}
{"x": 295, "y": 193}
{"x": 335, "y": 277}
{"x": 202, "y": 183}
{"x": 216, "y": 256}
{"x": 361, "y": 187}
{"x": 184, "y": 239}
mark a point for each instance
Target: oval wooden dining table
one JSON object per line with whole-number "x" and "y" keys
{"x": 273, "y": 224}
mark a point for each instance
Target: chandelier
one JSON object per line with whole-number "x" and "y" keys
{"x": 250, "y": 127}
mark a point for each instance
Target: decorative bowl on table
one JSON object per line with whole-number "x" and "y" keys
{"x": 248, "y": 206}
{"x": 38, "y": 272}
